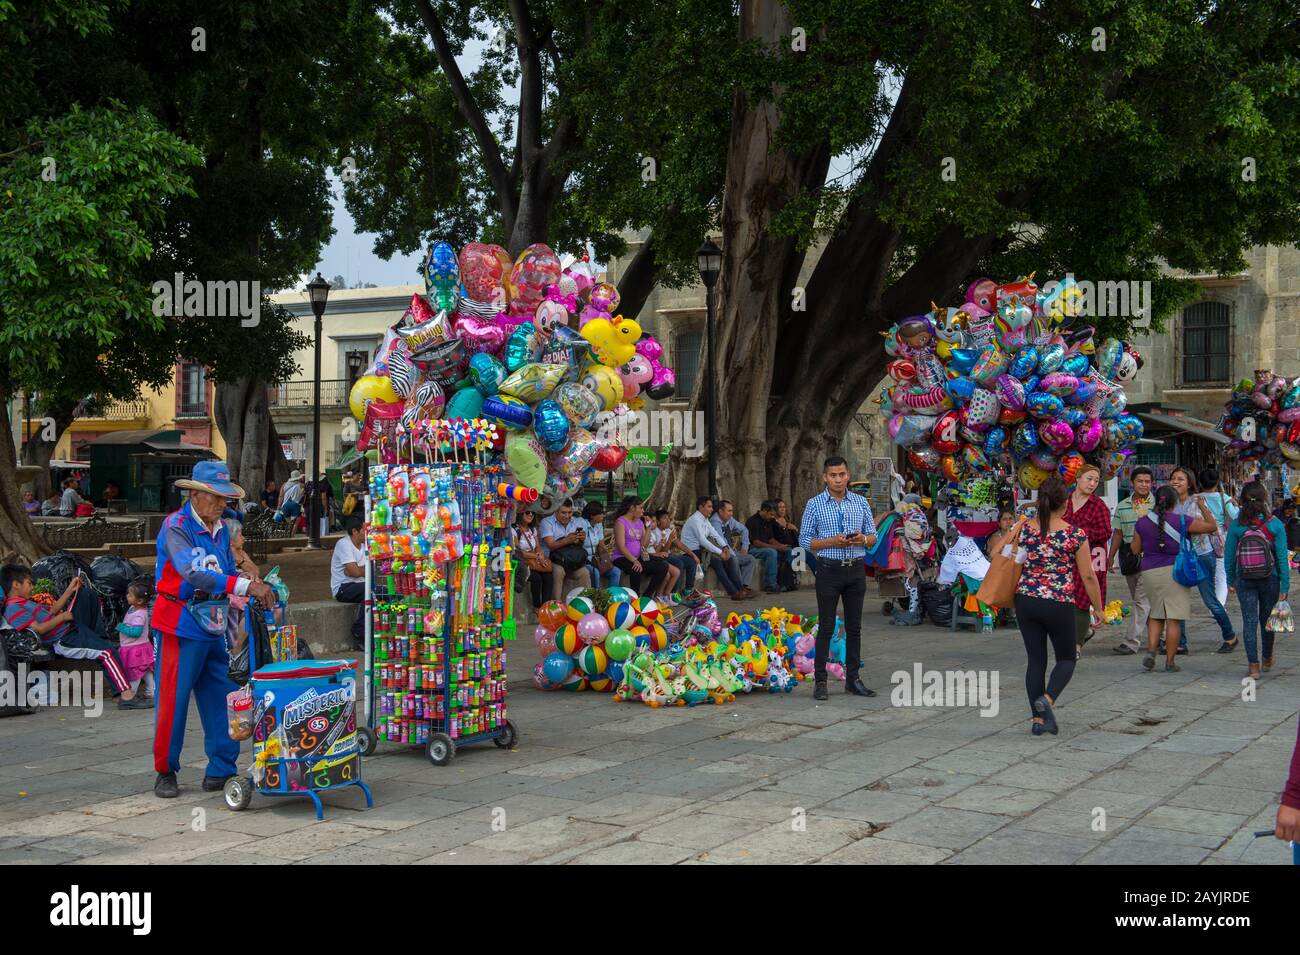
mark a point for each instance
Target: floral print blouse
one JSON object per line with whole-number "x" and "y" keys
{"x": 1049, "y": 570}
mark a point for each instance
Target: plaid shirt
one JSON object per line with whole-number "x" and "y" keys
{"x": 1094, "y": 520}
{"x": 826, "y": 517}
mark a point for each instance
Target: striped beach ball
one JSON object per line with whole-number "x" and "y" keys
{"x": 567, "y": 640}
{"x": 579, "y": 607}
{"x": 574, "y": 682}
{"x": 647, "y": 610}
{"x": 592, "y": 660}
{"x": 620, "y": 616}
{"x": 658, "y": 636}
{"x": 603, "y": 683}
{"x": 641, "y": 634}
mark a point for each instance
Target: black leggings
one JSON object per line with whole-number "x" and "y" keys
{"x": 1042, "y": 620}
{"x": 655, "y": 569}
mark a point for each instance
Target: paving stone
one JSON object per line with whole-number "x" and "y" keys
{"x": 698, "y": 831}
{"x": 1030, "y": 774}
{"x": 1012, "y": 846}
{"x": 563, "y": 767}
{"x": 1265, "y": 780}
{"x": 1003, "y": 800}
{"x": 178, "y": 847}
{"x": 885, "y": 852}
{"x": 1138, "y": 781}
{"x": 473, "y": 855}
{"x": 764, "y": 805}
{"x": 1143, "y": 852}
{"x": 1074, "y": 822}
{"x": 945, "y": 828}
{"x": 1221, "y": 746}
{"x": 547, "y": 836}
{"x": 633, "y": 852}
{"x": 780, "y": 843}
{"x": 31, "y": 855}
{"x": 312, "y": 840}
{"x": 627, "y": 809}
{"x": 1194, "y": 820}
{"x": 1175, "y": 763}
{"x": 1230, "y": 799}
{"x": 751, "y": 765}
{"x": 827, "y": 783}
{"x": 92, "y": 842}
{"x": 874, "y": 806}
{"x": 358, "y": 855}
{"x": 934, "y": 786}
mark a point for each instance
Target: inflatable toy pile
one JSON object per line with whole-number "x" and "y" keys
{"x": 1005, "y": 382}
{"x": 494, "y": 343}
{"x": 1262, "y": 419}
{"x": 667, "y": 655}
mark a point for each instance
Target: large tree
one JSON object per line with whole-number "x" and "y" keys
{"x": 1102, "y": 138}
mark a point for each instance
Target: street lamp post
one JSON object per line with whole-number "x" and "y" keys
{"x": 319, "y": 292}
{"x": 709, "y": 257}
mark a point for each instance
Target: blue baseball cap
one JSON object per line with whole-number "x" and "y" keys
{"x": 213, "y": 477}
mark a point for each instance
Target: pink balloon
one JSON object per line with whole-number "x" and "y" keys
{"x": 483, "y": 270}
{"x": 479, "y": 335}
{"x": 593, "y": 628}
{"x": 536, "y": 268}
{"x": 650, "y": 347}
{"x": 663, "y": 383}
{"x": 635, "y": 373}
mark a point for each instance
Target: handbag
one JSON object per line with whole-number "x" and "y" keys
{"x": 1187, "y": 569}
{"x": 1129, "y": 562}
{"x": 897, "y": 554}
{"x": 538, "y": 561}
{"x": 998, "y": 588}
{"x": 571, "y": 557}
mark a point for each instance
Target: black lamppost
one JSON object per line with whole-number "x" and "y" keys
{"x": 709, "y": 257}
{"x": 318, "y": 290}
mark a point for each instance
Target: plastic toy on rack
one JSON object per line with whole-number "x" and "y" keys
{"x": 439, "y": 600}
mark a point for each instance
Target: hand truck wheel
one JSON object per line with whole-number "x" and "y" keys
{"x": 509, "y": 736}
{"x": 366, "y": 740}
{"x": 238, "y": 793}
{"x": 440, "y": 749}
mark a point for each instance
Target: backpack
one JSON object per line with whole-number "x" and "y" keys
{"x": 1255, "y": 557}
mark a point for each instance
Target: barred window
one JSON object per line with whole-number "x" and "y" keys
{"x": 687, "y": 357}
{"x": 1206, "y": 351}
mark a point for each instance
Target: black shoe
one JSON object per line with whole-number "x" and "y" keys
{"x": 858, "y": 688}
{"x": 819, "y": 691}
{"x": 1124, "y": 651}
{"x": 165, "y": 787}
{"x": 135, "y": 703}
{"x": 214, "y": 784}
{"x": 1044, "y": 709}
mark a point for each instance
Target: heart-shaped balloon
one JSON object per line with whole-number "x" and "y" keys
{"x": 1057, "y": 435}
{"x": 484, "y": 270}
{"x": 480, "y": 335}
{"x": 1076, "y": 365}
{"x": 963, "y": 360}
{"x": 1050, "y": 358}
{"x": 1040, "y": 404}
{"x": 1011, "y": 392}
{"x": 609, "y": 458}
{"x": 1023, "y": 365}
{"x": 924, "y": 458}
{"x": 960, "y": 389}
{"x": 522, "y": 347}
{"x": 1059, "y": 384}
{"x": 1088, "y": 435}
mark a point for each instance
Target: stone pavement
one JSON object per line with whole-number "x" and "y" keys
{"x": 1148, "y": 768}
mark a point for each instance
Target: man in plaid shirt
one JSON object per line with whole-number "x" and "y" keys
{"x": 838, "y": 527}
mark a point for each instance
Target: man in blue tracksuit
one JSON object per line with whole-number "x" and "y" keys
{"x": 194, "y": 577}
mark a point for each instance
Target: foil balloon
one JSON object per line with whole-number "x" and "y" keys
{"x": 466, "y": 403}
{"x": 1087, "y": 436}
{"x": 442, "y": 275}
{"x": 526, "y": 460}
{"x": 445, "y": 362}
{"x": 612, "y": 342}
{"x": 1044, "y": 458}
{"x": 532, "y": 382}
{"x": 951, "y": 467}
{"x": 551, "y": 425}
{"x": 509, "y": 412}
{"x": 996, "y": 441}
{"x": 924, "y": 458}
{"x": 604, "y": 383}
{"x": 1084, "y": 393}
{"x": 426, "y": 334}
{"x": 1108, "y": 356}
{"x": 1031, "y": 384}
{"x": 1132, "y": 428}
{"x": 522, "y": 347}
{"x": 379, "y": 430}
{"x": 580, "y": 405}
{"x": 635, "y": 373}
{"x": 1050, "y": 358}
{"x": 1070, "y": 466}
{"x": 649, "y": 346}
{"x": 663, "y": 384}
{"x": 370, "y": 388}
{"x": 982, "y": 410}
{"x": 402, "y": 371}
{"x": 600, "y": 301}
{"x": 910, "y": 430}
{"x": 550, "y": 314}
{"x": 1057, "y": 435}
{"x": 1073, "y": 416}
{"x": 992, "y": 362}
{"x": 609, "y": 458}
{"x": 418, "y": 312}
{"x": 1031, "y": 477}
{"x": 1110, "y": 463}
{"x": 901, "y": 369}
{"x": 487, "y": 373}
{"x": 1115, "y": 404}
{"x": 960, "y": 389}
{"x": 1024, "y": 439}
{"x": 565, "y": 347}
{"x": 479, "y": 335}
{"x": 579, "y": 454}
{"x": 983, "y": 292}
{"x": 1059, "y": 384}
{"x": 1290, "y": 450}
{"x": 1024, "y": 362}
{"x": 1076, "y": 365}
{"x": 536, "y": 268}
{"x": 968, "y": 434}
{"x": 973, "y": 459}
{"x": 923, "y": 400}
{"x": 1040, "y": 404}
{"x": 944, "y": 437}
{"x": 963, "y": 360}
{"x": 484, "y": 272}
{"x": 1007, "y": 416}
{"x": 1011, "y": 392}
{"x": 428, "y": 401}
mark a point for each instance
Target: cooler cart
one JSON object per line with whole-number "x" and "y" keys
{"x": 302, "y": 717}
{"x": 437, "y": 621}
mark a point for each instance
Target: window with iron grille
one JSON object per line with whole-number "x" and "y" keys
{"x": 1206, "y": 353}
{"x": 194, "y": 389}
{"x": 688, "y": 348}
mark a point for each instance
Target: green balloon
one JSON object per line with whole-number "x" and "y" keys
{"x": 619, "y": 644}
{"x": 466, "y": 403}
{"x": 643, "y": 661}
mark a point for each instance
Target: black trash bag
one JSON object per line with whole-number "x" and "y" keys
{"x": 936, "y": 601}
{"x": 1293, "y": 533}
{"x": 111, "y": 574}
{"x": 16, "y": 646}
{"x": 61, "y": 567}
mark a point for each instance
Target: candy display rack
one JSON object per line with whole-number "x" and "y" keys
{"x": 439, "y": 607}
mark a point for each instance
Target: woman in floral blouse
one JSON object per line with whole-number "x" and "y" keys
{"x": 1053, "y": 555}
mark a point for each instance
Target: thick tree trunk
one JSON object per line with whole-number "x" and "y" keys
{"x": 19, "y": 540}
{"x": 759, "y": 272}
{"x": 252, "y": 442}
{"x": 638, "y": 279}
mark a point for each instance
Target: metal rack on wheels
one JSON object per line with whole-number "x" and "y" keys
{"x": 438, "y": 607}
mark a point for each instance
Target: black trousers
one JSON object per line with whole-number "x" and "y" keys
{"x": 833, "y": 585}
{"x": 653, "y": 569}
{"x": 1042, "y": 621}
{"x": 354, "y": 592}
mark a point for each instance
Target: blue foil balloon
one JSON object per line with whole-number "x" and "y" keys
{"x": 1043, "y": 405}
{"x": 1023, "y": 365}
{"x": 963, "y": 360}
{"x": 1031, "y": 384}
{"x": 521, "y": 347}
{"x": 1025, "y": 440}
{"x": 1050, "y": 359}
{"x": 1076, "y": 365}
{"x": 995, "y": 441}
{"x": 550, "y": 424}
{"x": 960, "y": 389}
{"x": 442, "y": 275}
{"x": 486, "y": 372}
{"x": 1074, "y": 416}
{"x": 1083, "y": 393}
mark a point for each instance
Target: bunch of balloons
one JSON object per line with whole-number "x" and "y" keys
{"x": 1262, "y": 419}
{"x": 1006, "y": 382}
{"x": 496, "y": 340}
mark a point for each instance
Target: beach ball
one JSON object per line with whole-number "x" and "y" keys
{"x": 591, "y": 660}
{"x": 567, "y": 639}
{"x": 619, "y": 644}
{"x": 603, "y": 683}
{"x": 622, "y": 594}
{"x": 658, "y": 637}
{"x": 593, "y": 628}
{"x": 540, "y": 679}
{"x": 575, "y": 682}
{"x": 557, "y": 667}
{"x": 620, "y": 616}
{"x": 552, "y": 615}
{"x": 641, "y": 635}
{"x": 647, "y": 610}
{"x": 579, "y": 607}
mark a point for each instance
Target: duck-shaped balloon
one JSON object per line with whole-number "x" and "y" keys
{"x": 613, "y": 342}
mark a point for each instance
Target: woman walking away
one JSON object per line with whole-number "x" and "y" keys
{"x": 1255, "y": 556}
{"x": 1053, "y": 555}
{"x": 1193, "y": 505}
{"x": 1086, "y": 511}
{"x": 1157, "y": 542}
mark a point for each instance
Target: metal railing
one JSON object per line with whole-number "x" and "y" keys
{"x": 121, "y": 411}
{"x": 299, "y": 394}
